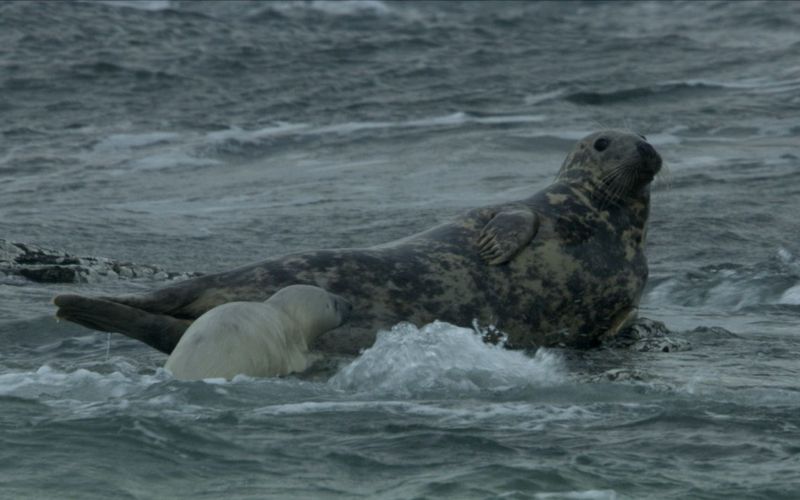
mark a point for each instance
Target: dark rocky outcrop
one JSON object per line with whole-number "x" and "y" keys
{"x": 647, "y": 335}
{"x": 44, "y": 265}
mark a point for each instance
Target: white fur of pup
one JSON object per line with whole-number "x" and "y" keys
{"x": 259, "y": 339}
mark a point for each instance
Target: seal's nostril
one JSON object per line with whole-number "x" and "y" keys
{"x": 646, "y": 150}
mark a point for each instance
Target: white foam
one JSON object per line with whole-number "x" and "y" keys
{"x": 533, "y": 99}
{"x": 150, "y": 5}
{"x": 444, "y": 359}
{"x": 791, "y": 296}
{"x": 81, "y": 384}
{"x": 237, "y": 133}
{"x": 168, "y": 160}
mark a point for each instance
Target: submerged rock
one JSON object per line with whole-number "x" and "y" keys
{"x": 647, "y": 335}
{"x": 712, "y": 331}
{"x": 621, "y": 375}
{"x": 44, "y": 265}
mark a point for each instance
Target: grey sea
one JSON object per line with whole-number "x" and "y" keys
{"x": 142, "y": 142}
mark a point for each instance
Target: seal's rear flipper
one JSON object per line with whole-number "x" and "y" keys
{"x": 155, "y": 330}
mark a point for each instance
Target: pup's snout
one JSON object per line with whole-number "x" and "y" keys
{"x": 343, "y": 307}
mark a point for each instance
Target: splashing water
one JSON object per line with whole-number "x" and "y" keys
{"x": 444, "y": 360}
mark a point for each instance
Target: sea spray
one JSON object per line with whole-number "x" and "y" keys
{"x": 444, "y": 360}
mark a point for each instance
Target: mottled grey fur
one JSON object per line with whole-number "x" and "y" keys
{"x": 565, "y": 266}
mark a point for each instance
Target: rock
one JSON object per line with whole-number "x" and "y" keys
{"x": 9, "y": 252}
{"x": 50, "y": 274}
{"x": 647, "y": 335}
{"x": 712, "y": 331}
{"x": 623, "y": 374}
{"x": 43, "y": 265}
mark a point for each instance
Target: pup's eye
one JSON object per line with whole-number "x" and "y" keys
{"x": 601, "y": 144}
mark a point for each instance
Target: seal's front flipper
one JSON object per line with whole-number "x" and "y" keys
{"x": 622, "y": 320}
{"x": 506, "y": 234}
{"x": 155, "y": 330}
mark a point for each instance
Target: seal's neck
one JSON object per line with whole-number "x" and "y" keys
{"x": 592, "y": 193}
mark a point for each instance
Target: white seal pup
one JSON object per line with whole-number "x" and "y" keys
{"x": 259, "y": 339}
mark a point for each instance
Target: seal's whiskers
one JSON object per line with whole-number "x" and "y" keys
{"x": 616, "y": 182}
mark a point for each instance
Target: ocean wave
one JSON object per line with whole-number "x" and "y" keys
{"x": 344, "y": 128}
{"x": 765, "y": 85}
{"x": 148, "y": 5}
{"x": 451, "y": 414}
{"x": 48, "y": 383}
{"x": 534, "y": 99}
{"x": 162, "y": 150}
{"x": 349, "y": 7}
{"x": 117, "y": 142}
{"x": 791, "y": 296}
{"x": 659, "y": 91}
{"x": 578, "y": 495}
{"x": 443, "y": 359}
{"x": 108, "y": 70}
{"x": 331, "y": 8}
{"x": 151, "y": 139}
{"x": 734, "y": 286}
{"x": 570, "y": 136}
{"x": 682, "y": 88}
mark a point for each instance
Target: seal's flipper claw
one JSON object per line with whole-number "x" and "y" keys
{"x": 155, "y": 330}
{"x": 506, "y": 234}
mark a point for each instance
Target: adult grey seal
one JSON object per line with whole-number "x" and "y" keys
{"x": 259, "y": 339}
{"x": 565, "y": 266}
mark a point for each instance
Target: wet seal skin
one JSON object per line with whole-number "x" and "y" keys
{"x": 565, "y": 267}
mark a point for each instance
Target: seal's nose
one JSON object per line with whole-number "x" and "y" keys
{"x": 651, "y": 160}
{"x": 646, "y": 150}
{"x": 343, "y": 307}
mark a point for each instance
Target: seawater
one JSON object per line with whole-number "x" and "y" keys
{"x": 199, "y": 136}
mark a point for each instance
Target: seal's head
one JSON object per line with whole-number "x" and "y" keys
{"x": 312, "y": 307}
{"x": 615, "y": 164}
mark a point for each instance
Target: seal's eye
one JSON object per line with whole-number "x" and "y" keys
{"x": 601, "y": 144}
